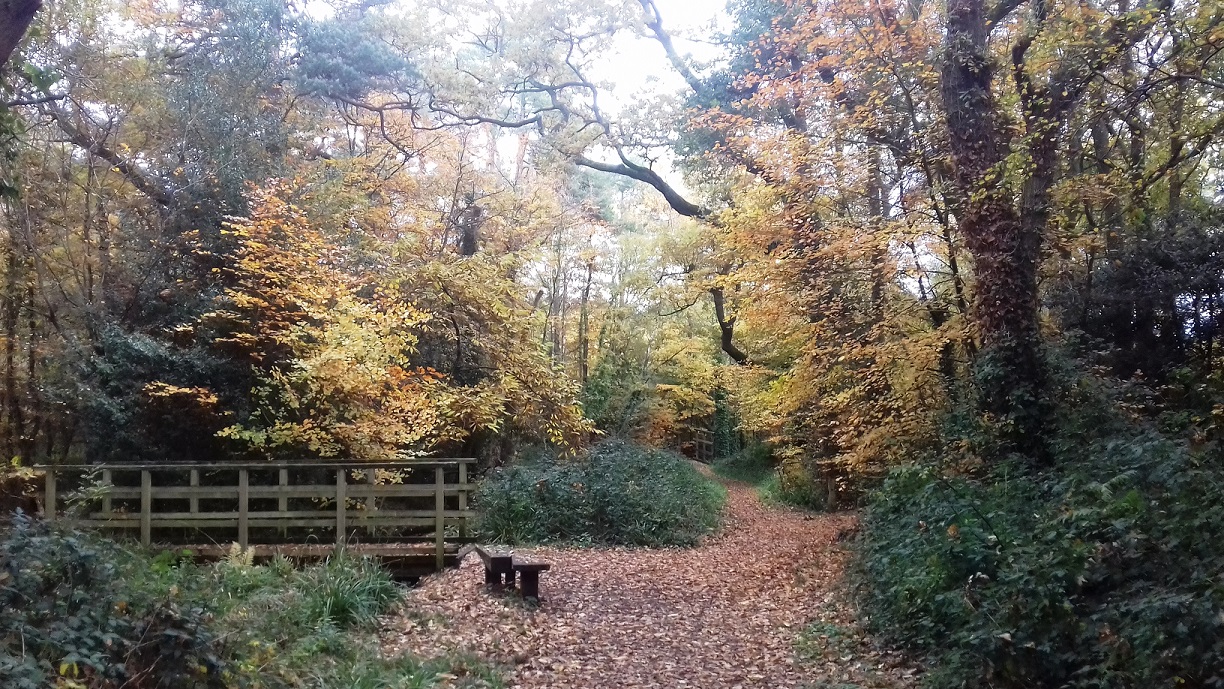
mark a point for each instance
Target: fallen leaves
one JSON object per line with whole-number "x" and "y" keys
{"x": 728, "y": 614}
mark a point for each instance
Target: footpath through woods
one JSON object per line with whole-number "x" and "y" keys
{"x": 755, "y": 606}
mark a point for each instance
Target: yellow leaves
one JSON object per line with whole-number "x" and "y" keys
{"x": 337, "y": 378}
{"x": 333, "y": 325}
{"x": 195, "y": 396}
{"x": 70, "y": 675}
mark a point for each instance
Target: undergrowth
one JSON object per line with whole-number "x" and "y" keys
{"x": 754, "y": 465}
{"x": 1104, "y": 571}
{"x": 618, "y": 494}
{"x": 87, "y": 613}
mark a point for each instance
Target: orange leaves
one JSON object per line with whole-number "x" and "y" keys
{"x": 844, "y": 275}
{"x": 731, "y": 612}
{"x": 335, "y": 371}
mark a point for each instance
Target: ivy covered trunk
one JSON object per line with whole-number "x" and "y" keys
{"x": 1005, "y": 250}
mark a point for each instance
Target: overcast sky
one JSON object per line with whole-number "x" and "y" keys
{"x": 640, "y": 64}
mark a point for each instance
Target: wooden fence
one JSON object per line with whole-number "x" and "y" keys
{"x": 703, "y": 445}
{"x": 264, "y": 502}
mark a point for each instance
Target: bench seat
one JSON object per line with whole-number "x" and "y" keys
{"x": 500, "y": 566}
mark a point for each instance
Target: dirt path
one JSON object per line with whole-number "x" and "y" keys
{"x": 729, "y": 614}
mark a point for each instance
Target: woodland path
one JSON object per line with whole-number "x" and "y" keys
{"x": 730, "y": 614}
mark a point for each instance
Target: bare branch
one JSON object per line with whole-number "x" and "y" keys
{"x": 534, "y": 120}
{"x": 1002, "y": 10}
{"x": 34, "y": 101}
{"x": 644, "y": 174}
{"x": 86, "y": 141}
{"x": 680, "y": 309}
{"x": 654, "y": 22}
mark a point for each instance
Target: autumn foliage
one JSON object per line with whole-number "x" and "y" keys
{"x": 980, "y": 237}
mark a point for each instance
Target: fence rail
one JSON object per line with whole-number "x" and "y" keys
{"x": 271, "y": 498}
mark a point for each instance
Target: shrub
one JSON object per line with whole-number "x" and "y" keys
{"x": 66, "y": 616}
{"x": 791, "y": 485}
{"x": 345, "y": 591}
{"x": 1104, "y": 573}
{"x": 302, "y": 627}
{"x": 752, "y": 465}
{"x": 795, "y": 486}
{"x": 619, "y": 494}
{"x": 106, "y": 616}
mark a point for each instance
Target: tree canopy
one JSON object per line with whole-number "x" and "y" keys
{"x": 868, "y": 234}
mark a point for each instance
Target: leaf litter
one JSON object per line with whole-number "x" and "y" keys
{"x": 760, "y": 605}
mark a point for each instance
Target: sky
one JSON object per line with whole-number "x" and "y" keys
{"x": 640, "y": 64}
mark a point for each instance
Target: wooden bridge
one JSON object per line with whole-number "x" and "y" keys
{"x": 414, "y": 513}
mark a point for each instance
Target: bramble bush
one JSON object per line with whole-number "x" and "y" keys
{"x": 618, "y": 494}
{"x": 1105, "y": 571}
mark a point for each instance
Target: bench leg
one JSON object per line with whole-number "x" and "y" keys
{"x": 492, "y": 577}
{"x": 531, "y": 584}
{"x": 509, "y": 579}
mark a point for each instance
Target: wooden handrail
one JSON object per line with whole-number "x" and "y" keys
{"x": 399, "y": 510}
{"x": 235, "y": 466}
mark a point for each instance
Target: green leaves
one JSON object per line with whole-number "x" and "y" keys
{"x": 41, "y": 78}
{"x": 1099, "y": 574}
{"x": 66, "y": 616}
{"x": 347, "y": 60}
{"x": 621, "y": 494}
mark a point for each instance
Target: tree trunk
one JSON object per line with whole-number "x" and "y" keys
{"x": 1005, "y": 250}
{"x": 14, "y": 427}
{"x": 15, "y": 18}
{"x": 726, "y": 327}
{"x": 28, "y": 444}
{"x": 584, "y": 325}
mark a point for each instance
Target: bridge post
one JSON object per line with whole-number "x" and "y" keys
{"x": 49, "y": 498}
{"x": 194, "y": 503}
{"x": 371, "y": 503}
{"x": 146, "y": 507}
{"x": 282, "y": 503}
{"x": 109, "y": 482}
{"x": 440, "y": 516}
{"x": 244, "y": 501}
{"x": 341, "y": 506}
{"x": 463, "y": 525}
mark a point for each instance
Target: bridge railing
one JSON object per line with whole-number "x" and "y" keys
{"x": 262, "y": 502}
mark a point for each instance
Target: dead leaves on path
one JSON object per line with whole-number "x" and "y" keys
{"x": 735, "y": 613}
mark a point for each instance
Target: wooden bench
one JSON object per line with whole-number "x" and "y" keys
{"x": 496, "y": 563}
{"x": 529, "y": 577}
{"x": 500, "y": 566}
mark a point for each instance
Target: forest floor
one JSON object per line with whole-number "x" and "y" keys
{"x": 761, "y": 605}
